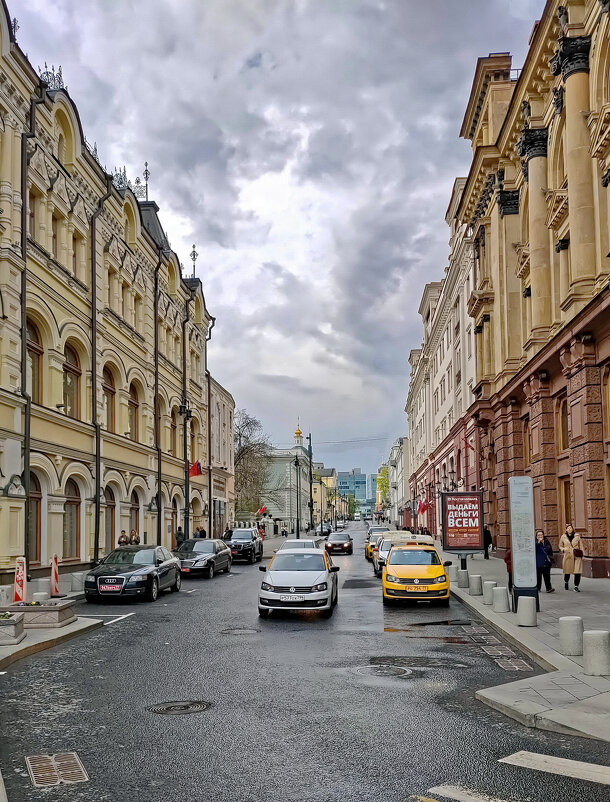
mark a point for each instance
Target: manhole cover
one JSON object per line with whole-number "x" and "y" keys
{"x": 417, "y": 662}
{"x": 63, "y": 768}
{"x": 179, "y": 708}
{"x": 384, "y": 671}
{"x": 240, "y": 631}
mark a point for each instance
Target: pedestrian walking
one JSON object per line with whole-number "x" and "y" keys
{"x": 487, "y": 541}
{"x": 123, "y": 539}
{"x": 508, "y": 561}
{"x": 134, "y": 538}
{"x": 202, "y": 533}
{"x": 570, "y": 545}
{"x": 284, "y": 532}
{"x": 180, "y": 537}
{"x": 544, "y": 561}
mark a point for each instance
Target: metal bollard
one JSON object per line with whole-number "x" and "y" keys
{"x": 488, "y": 591}
{"x": 462, "y": 578}
{"x": 475, "y": 585}
{"x": 526, "y": 611}
{"x": 452, "y": 573}
{"x": 596, "y": 652}
{"x": 570, "y": 635}
{"x": 500, "y": 600}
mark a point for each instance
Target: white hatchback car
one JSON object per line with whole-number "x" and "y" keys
{"x": 303, "y": 579}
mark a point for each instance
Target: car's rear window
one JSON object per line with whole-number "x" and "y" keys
{"x": 413, "y": 557}
{"x": 297, "y": 562}
{"x": 337, "y": 538}
{"x": 128, "y": 557}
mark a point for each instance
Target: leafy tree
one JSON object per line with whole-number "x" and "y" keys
{"x": 383, "y": 485}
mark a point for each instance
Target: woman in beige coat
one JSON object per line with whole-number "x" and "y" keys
{"x": 570, "y": 545}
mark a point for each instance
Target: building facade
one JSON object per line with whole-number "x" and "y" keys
{"x": 398, "y": 482}
{"x": 286, "y": 492}
{"x": 104, "y": 387}
{"x": 352, "y": 483}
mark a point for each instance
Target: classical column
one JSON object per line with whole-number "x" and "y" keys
{"x": 480, "y": 363}
{"x": 572, "y": 59}
{"x": 542, "y": 452}
{"x": 488, "y": 369}
{"x": 561, "y": 247}
{"x": 6, "y": 190}
{"x": 533, "y": 145}
{"x": 508, "y": 444}
{"x": 16, "y": 182}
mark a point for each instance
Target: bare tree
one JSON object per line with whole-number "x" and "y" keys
{"x": 252, "y": 456}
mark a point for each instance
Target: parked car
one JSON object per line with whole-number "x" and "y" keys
{"x": 338, "y": 543}
{"x": 204, "y": 557}
{"x": 245, "y": 544}
{"x": 133, "y": 571}
{"x": 340, "y": 524}
{"x": 381, "y": 551}
{"x": 375, "y": 533}
{"x": 415, "y": 572}
{"x": 301, "y": 543}
{"x": 324, "y": 529}
{"x": 305, "y": 579}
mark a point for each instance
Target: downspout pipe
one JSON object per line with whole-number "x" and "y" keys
{"x": 209, "y": 383}
{"x": 157, "y": 406}
{"x": 94, "y": 404}
{"x": 30, "y": 133}
{"x": 186, "y": 412}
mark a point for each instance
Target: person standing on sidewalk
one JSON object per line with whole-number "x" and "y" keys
{"x": 487, "y": 541}
{"x": 571, "y": 546}
{"x": 508, "y": 561}
{"x": 544, "y": 561}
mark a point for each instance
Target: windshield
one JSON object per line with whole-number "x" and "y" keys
{"x": 128, "y": 557}
{"x": 298, "y": 562}
{"x": 200, "y": 546}
{"x": 413, "y": 557}
{"x": 376, "y": 529}
{"x": 297, "y": 544}
{"x": 337, "y": 538}
{"x": 241, "y": 536}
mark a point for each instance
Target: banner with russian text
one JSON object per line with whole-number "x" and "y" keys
{"x": 462, "y": 521}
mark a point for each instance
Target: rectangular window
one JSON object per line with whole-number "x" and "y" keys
{"x": 54, "y": 236}
{"x": 32, "y": 215}
{"x": 75, "y": 246}
{"x": 565, "y": 499}
{"x": 137, "y": 311}
{"x": 124, "y": 301}
{"x": 469, "y": 340}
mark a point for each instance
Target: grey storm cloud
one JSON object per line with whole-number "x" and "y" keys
{"x": 309, "y": 149}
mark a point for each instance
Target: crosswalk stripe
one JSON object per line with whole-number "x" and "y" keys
{"x": 593, "y": 772}
{"x": 461, "y": 794}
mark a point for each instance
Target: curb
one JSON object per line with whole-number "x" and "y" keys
{"x": 32, "y": 648}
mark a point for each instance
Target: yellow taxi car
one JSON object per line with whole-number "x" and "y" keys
{"x": 414, "y": 572}
{"x": 374, "y": 535}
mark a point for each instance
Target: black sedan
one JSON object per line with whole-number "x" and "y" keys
{"x": 204, "y": 557}
{"x": 245, "y": 544}
{"x": 133, "y": 571}
{"x": 339, "y": 543}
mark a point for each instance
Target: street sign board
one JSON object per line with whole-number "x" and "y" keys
{"x": 462, "y": 521}
{"x": 522, "y": 536}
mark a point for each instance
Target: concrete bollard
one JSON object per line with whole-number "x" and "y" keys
{"x": 526, "y": 611}
{"x": 452, "y": 573}
{"x": 500, "y": 600}
{"x": 475, "y": 585}
{"x": 462, "y": 578}
{"x": 488, "y": 591}
{"x": 570, "y": 635}
{"x": 41, "y": 596}
{"x": 596, "y": 652}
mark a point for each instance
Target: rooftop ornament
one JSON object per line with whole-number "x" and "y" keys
{"x": 53, "y": 80}
{"x": 139, "y": 186}
{"x": 193, "y": 254}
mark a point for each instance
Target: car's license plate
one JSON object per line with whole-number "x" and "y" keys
{"x": 110, "y": 587}
{"x": 234, "y": 551}
{"x": 292, "y": 598}
{"x": 186, "y": 570}
{"x": 417, "y": 588}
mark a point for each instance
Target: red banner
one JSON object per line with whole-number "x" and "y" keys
{"x": 462, "y": 521}
{"x": 20, "y": 584}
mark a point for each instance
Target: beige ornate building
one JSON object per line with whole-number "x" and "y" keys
{"x": 105, "y": 396}
{"x": 536, "y": 204}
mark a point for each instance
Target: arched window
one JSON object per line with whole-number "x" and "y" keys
{"x": 134, "y": 406}
{"x": 109, "y": 391}
{"x": 71, "y": 538}
{"x": 564, "y": 434}
{"x": 61, "y": 148}
{"x": 173, "y": 440}
{"x": 110, "y": 520}
{"x": 134, "y": 512}
{"x": 35, "y": 519}
{"x": 72, "y": 374}
{"x": 34, "y": 362}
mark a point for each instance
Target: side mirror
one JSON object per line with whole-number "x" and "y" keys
{"x": 262, "y": 568}
{"x": 448, "y": 562}
{"x": 334, "y": 569}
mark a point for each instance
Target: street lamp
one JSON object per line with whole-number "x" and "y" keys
{"x": 297, "y": 465}
{"x": 187, "y": 414}
{"x": 452, "y": 479}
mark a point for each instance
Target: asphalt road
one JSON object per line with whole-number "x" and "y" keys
{"x": 373, "y": 704}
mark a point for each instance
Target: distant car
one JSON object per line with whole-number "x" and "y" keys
{"x": 375, "y": 532}
{"x": 133, "y": 571}
{"x": 338, "y": 543}
{"x": 305, "y": 579}
{"x": 301, "y": 543}
{"x": 340, "y": 524}
{"x": 201, "y": 557}
{"x": 245, "y": 544}
{"x": 324, "y": 529}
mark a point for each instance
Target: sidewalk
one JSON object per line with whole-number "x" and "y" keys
{"x": 566, "y": 700}
{"x": 38, "y": 639}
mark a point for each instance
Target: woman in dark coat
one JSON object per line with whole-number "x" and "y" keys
{"x": 544, "y": 561}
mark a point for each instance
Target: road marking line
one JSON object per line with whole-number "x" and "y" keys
{"x": 461, "y": 794}
{"x": 592, "y": 772}
{"x": 120, "y": 618}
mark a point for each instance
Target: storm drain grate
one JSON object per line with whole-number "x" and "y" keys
{"x": 487, "y": 639}
{"x": 179, "y": 708}
{"x": 498, "y": 651}
{"x": 514, "y": 665}
{"x": 64, "y": 768}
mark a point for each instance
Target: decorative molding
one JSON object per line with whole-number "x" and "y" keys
{"x": 533, "y": 143}
{"x": 508, "y": 201}
{"x": 571, "y": 56}
{"x": 562, "y": 245}
{"x": 522, "y": 268}
{"x": 606, "y": 178}
{"x": 558, "y": 205}
{"x": 558, "y": 99}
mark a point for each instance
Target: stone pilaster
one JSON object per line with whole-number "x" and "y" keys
{"x": 508, "y": 447}
{"x": 543, "y": 452}
{"x": 561, "y": 247}
{"x": 587, "y": 462}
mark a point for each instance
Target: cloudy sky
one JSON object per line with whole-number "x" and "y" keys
{"x": 308, "y": 148}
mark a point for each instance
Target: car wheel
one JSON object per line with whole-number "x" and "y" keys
{"x": 260, "y": 556}
{"x": 386, "y": 602}
{"x": 253, "y": 557}
{"x": 336, "y": 602}
{"x": 328, "y": 613}
{"x": 209, "y": 574}
{"x": 89, "y": 599}
{"x": 178, "y": 583}
{"x": 443, "y": 603}
{"x": 228, "y": 568}
{"x": 153, "y": 590}
{"x": 263, "y": 613}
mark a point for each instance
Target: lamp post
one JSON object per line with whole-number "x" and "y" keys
{"x": 186, "y": 413}
{"x": 310, "y": 505}
{"x": 335, "y": 507}
{"x": 297, "y": 465}
{"x": 452, "y": 479}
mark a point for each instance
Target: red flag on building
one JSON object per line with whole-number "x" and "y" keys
{"x": 195, "y": 469}
{"x": 261, "y": 511}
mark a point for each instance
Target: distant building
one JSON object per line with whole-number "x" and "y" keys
{"x": 371, "y": 487}
{"x": 352, "y": 483}
{"x": 284, "y": 504}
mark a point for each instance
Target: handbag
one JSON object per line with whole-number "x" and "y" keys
{"x": 578, "y": 553}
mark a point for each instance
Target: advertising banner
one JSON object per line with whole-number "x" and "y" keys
{"x": 522, "y": 536}
{"x": 20, "y": 584}
{"x": 462, "y": 521}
